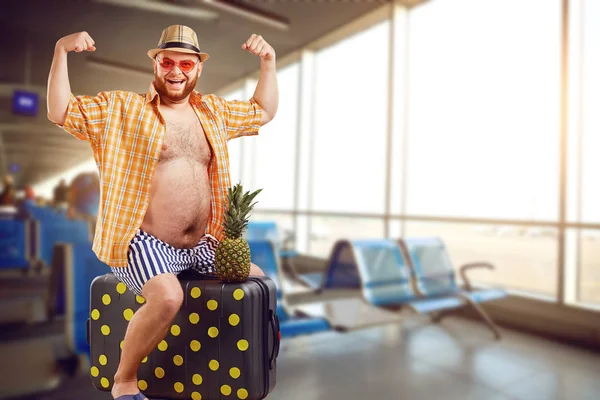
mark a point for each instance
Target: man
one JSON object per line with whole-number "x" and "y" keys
{"x": 61, "y": 195}
{"x": 164, "y": 174}
{"x": 8, "y": 197}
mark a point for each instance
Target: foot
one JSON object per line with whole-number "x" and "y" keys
{"x": 126, "y": 388}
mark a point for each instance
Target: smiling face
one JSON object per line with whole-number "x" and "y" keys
{"x": 175, "y": 75}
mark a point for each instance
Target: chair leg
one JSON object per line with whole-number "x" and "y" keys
{"x": 484, "y": 316}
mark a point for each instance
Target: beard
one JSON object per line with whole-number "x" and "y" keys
{"x": 174, "y": 95}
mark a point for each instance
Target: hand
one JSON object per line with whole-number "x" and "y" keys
{"x": 259, "y": 47}
{"x": 77, "y": 42}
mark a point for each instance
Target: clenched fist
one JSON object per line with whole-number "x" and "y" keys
{"x": 78, "y": 42}
{"x": 259, "y": 47}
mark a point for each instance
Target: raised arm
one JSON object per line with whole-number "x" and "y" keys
{"x": 267, "y": 92}
{"x": 59, "y": 88}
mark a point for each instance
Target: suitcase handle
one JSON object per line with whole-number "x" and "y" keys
{"x": 274, "y": 322}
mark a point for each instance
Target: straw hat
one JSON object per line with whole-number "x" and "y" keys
{"x": 178, "y": 38}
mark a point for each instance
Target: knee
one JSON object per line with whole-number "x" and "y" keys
{"x": 164, "y": 293}
{"x": 255, "y": 270}
{"x": 172, "y": 300}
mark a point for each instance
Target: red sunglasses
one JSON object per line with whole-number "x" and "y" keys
{"x": 185, "y": 65}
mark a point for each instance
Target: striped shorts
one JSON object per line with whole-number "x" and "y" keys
{"x": 149, "y": 256}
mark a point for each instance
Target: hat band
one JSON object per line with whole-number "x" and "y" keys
{"x": 180, "y": 45}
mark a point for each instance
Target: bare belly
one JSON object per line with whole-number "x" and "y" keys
{"x": 179, "y": 203}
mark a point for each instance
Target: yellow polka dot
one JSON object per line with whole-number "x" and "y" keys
{"x": 235, "y": 372}
{"x": 102, "y": 359}
{"x": 212, "y": 305}
{"x": 142, "y": 384}
{"x": 94, "y": 371}
{"x": 128, "y": 314}
{"x": 95, "y": 314}
{"x": 106, "y": 299}
{"x": 242, "y": 394}
{"x": 140, "y": 299}
{"x": 194, "y": 318}
{"x": 121, "y": 288}
{"x": 197, "y": 379}
{"x": 145, "y": 360}
{"x": 234, "y": 319}
{"x": 104, "y": 382}
{"x": 178, "y": 360}
{"x": 175, "y": 330}
{"x": 213, "y": 332}
{"x": 242, "y": 345}
{"x": 226, "y": 390}
{"x": 196, "y": 292}
{"x": 162, "y": 346}
{"x": 195, "y": 345}
{"x": 178, "y": 387}
{"x": 121, "y": 344}
{"x": 105, "y": 330}
{"x": 196, "y": 396}
{"x": 238, "y": 294}
{"x": 213, "y": 365}
{"x": 159, "y": 372}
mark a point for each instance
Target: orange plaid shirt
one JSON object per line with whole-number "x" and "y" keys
{"x": 126, "y": 133}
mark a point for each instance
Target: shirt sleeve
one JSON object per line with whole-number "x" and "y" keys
{"x": 86, "y": 116}
{"x": 242, "y": 118}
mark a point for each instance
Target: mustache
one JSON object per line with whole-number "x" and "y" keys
{"x": 161, "y": 86}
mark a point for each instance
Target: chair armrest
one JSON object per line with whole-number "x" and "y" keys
{"x": 464, "y": 268}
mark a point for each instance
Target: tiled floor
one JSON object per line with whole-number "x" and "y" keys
{"x": 455, "y": 360}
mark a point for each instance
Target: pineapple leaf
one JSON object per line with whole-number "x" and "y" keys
{"x": 239, "y": 207}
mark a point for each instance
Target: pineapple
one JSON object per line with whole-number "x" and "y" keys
{"x": 232, "y": 258}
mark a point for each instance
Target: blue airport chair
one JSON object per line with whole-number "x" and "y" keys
{"x": 268, "y": 230}
{"x": 18, "y": 250}
{"x": 382, "y": 272}
{"x": 69, "y": 231}
{"x": 313, "y": 280}
{"x": 59, "y": 229}
{"x": 55, "y": 227}
{"x": 74, "y": 268}
{"x": 262, "y": 230}
{"x": 379, "y": 270}
{"x": 435, "y": 275}
{"x": 342, "y": 270}
{"x": 263, "y": 254}
{"x": 386, "y": 277}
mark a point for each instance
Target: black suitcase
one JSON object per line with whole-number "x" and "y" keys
{"x": 223, "y": 343}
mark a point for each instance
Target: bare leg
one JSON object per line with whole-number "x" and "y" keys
{"x": 146, "y": 329}
{"x": 255, "y": 270}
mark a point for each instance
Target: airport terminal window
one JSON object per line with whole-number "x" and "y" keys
{"x": 589, "y": 267}
{"x": 325, "y": 231}
{"x": 590, "y": 116}
{"x": 350, "y": 123}
{"x": 275, "y": 148}
{"x": 525, "y": 258}
{"x": 484, "y": 109}
{"x": 589, "y": 257}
